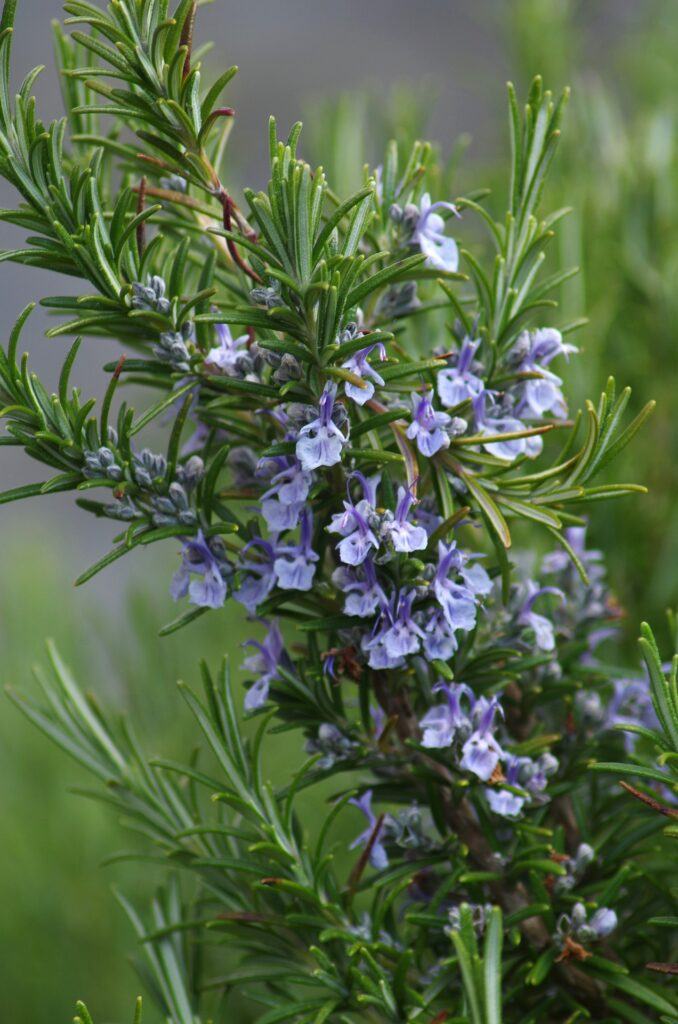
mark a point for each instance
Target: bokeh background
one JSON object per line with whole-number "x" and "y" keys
{"x": 356, "y": 73}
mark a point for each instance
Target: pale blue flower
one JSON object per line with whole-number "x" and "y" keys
{"x": 261, "y": 578}
{"x": 226, "y": 355}
{"x": 560, "y": 561}
{"x": 264, "y": 663}
{"x": 403, "y": 535}
{"x": 631, "y": 704}
{"x": 283, "y": 502}
{"x": 404, "y": 636}
{"x": 280, "y": 516}
{"x": 378, "y": 855}
{"x": 291, "y": 483}
{"x": 441, "y": 252}
{"x": 455, "y": 599}
{"x": 503, "y": 801}
{"x": 497, "y": 421}
{"x": 320, "y": 442}
{"x": 448, "y": 721}
{"x": 363, "y": 593}
{"x": 428, "y": 426}
{"x": 603, "y": 922}
{"x": 373, "y": 644}
{"x": 359, "y": 365}
{"x": 523, "y": 773}
{"x": 200, "y": 574}
{"x": 295, "y": 563}
{"x": 439, "y": 641}
{"x": 457, "y": 384}
{"x": 532, "y": 353}
{"x": 359, "y": 539}
{"x": 543, "y": 628}
{"x": 354, "y": 523}
{"x": 481, "y": 752}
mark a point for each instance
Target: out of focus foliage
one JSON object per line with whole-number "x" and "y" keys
{"x": 618, "y": 170}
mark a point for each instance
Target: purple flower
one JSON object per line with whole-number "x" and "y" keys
{"x": 439, "y": 642}
{"x": 197, "y": 440}
{"x": 320, "y": 442}
{"x": 282, "y": 503}
{"x": 524, "y": 774}
{"x": 481, "y": 752}
{"x": 503, "y": 801}
{"x": 457, "y": 384}
{"x": 363, "y": 593}
{"x": 536, "y": 774}
{"x": 295, "y": 563}
{"x": 264, "y": 663}
{"x": 224, "y": 357}
{"x": 353, "y": 524}
{"x": 456, "y": 600}
{"x": 373, "y": 644}
{"x": 358, "y": 537}
{"x": 378, "y": 855}
{"x": 404, "y": 636}
{"x": 603, "y": 922}
{"x": 532, "y": 353}
{"x": 200, "y": 574}
{"x": 499, "y": 423}
{"x": 560, "y": 561}
{"x": 631, "y": 704}
{"x": 261, "y": 579}
{"x": 280, "y": 516}
{"x": 359, "y": 365}
{"x": 542, "y": 627}
{"x": 404, "y": 536}
{"x": 443, "y": 723}
{"x": 441, "y": 252}
{"x": 428, "y": 426}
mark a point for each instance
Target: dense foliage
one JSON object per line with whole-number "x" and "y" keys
{"x": 355, "y": 400}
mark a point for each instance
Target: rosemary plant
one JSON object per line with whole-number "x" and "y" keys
{"x": 361, "y": 405}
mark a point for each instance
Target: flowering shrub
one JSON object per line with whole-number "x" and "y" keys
{"x": 359, "y": 399}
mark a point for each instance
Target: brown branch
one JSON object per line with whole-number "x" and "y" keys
{"x": 172, "y": 196}
{"x": 229, "y": 210}
{"x": 663, "y": 968}
{"x": 141, "y": 227}
{"x": 359, "y": 869}
{"x": 118, "y": 369}
{"x": 670, "y": 812}
{"x": 187, "y": 36}
{"x": 156, "y": 161}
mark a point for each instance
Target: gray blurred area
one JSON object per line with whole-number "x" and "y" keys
{"x": 289, "y": 51}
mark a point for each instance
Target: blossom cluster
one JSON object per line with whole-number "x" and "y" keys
{"x": 441, "y": 591}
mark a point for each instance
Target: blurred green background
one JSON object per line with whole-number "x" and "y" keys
{"x": 61, "y": 935}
